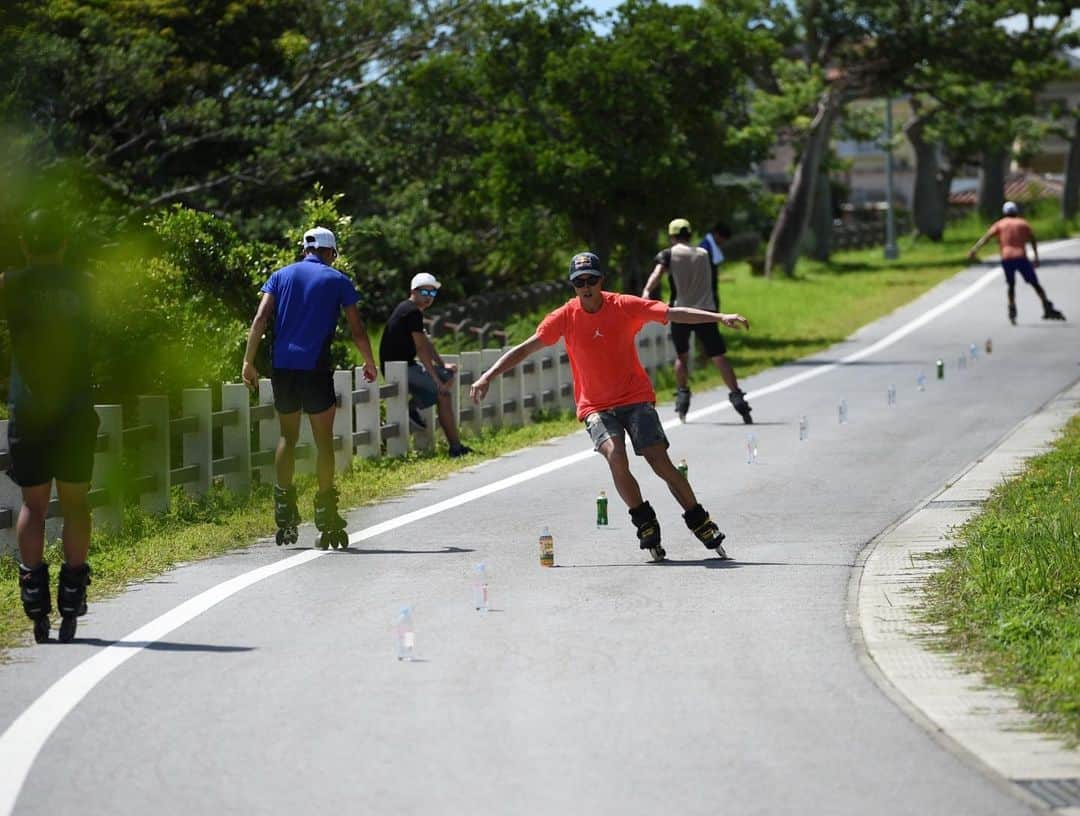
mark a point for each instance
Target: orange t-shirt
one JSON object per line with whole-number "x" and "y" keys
{"x": 602, "y": 350}
{"x": 1013, "y": 234}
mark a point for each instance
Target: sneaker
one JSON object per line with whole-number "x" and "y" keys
{"x": 460, "y": 450}
{"x": 416, "y": 421}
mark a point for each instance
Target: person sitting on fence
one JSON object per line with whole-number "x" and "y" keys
{"x": 304, "y": 301}
{"x": 52, "y": 430}
{"x": 430, "y": 379}
{"x": 693, "y": 284}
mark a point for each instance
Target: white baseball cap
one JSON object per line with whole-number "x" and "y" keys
{"x": 1010, "y": 208}
{"x": 319, "y": 237}
{"x": 424, "y": 280}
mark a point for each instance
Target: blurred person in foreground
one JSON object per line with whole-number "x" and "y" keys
{"x": 52, "y": 432}
{"x": 304, "y": 300}
{"x": 613, "y": 394}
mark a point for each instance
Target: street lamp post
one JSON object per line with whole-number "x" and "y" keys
{"x": 891, "y": 250}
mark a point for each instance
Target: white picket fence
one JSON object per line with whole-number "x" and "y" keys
{"x": 372, "y": 420}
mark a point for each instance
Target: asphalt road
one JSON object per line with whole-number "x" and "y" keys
{"x": 607, "y": 685}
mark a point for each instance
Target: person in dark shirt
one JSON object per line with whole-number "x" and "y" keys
{"x": 304, "y": 301}
{"x": 52, "y": 430}
{"x": 404, "y": 340}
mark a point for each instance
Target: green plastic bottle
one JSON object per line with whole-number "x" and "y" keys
{"x": 601, "y": 509}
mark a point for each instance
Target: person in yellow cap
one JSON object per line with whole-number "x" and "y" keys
{"x": 691, "y": 274}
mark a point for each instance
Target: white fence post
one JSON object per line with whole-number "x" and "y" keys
{"x": 108, "y": 471}
{"x": 492, "y": 406}
{"x": 269, "y": 431}
{"x": 367, "y": 416}
{"x": 472, "y": 366}
{"x": 452, "y": 361}
{"x": 514, "y": 396}
{"x": 564, "y": 376}
{"x": 236, "y": 438}
{"x": 343, "y": 421}
{"x": 153, "y": 455}
{"x": 198, "y": 443}
{"x": 395, "y": 394}
{"x": 532, "y": 399}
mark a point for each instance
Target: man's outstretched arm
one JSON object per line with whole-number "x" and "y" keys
{"x": 479, "y": 389}
{"x": 688, "y": 314}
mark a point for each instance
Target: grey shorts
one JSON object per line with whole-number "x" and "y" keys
{"x": 640, "y": 420}
{"x": 422, "y": 388}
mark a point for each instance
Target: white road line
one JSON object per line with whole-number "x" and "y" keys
{"x": 26, "y": 736}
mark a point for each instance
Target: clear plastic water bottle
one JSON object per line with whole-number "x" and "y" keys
{"x": 804, "y": 429}
{"x": 892, "y": 395}
{"x": 973, "y": 350}
{"x": 841, "y": 412}
{"x": 406, "y": 635}
{"x": 480, "y": 587}
{"x": 751, "y": 449}
{"x": 921, "y": 380}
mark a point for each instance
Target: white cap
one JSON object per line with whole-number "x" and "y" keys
{"x": 319, "y": 237}
{"x": 424, "y": 280}
{"x": 1010, "y": 208}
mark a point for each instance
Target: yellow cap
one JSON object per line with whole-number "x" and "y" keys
{"x": 678, "y": 226}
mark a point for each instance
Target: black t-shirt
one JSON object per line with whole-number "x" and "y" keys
{"x": 48, "y": 314}
{"x": 397, "y": 341}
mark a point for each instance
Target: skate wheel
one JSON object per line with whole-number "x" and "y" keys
{"x": 292, "y": 535}
{"x": 343, "y": 540}
{"x": 658, "y": 554}
{"x": 41, "y": 630}
{"x": 279, "y": 537}
{"x": 67, "y": 628}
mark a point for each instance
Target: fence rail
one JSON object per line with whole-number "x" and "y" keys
{"x": 372, "y": 420}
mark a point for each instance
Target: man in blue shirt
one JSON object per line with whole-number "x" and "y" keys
{"x": 305, "y": 299}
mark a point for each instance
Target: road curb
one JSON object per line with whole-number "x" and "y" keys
{"x": 983, "y": 725}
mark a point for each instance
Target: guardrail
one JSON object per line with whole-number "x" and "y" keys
{"x": 372, "y": 420}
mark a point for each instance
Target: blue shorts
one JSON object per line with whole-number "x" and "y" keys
{"x": 640, "y": 420}
{"x": 1021, "y": 265}
{"x": 422, "y": 389}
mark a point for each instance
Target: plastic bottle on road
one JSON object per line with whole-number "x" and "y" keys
{"x": 406, "y": 635}
{"x": 804, "y": 429}
{"x": 973, "y": 350}
{"x": 841, "y": 412}
{"x": 921, "y": 380}
{"x": 751, "y": 449}
{"x": 683, "y": 468}
{"x": 601, "y": 509}
{"x": 547, "y": 549}
{"x": 989, "y": 346}
{"x": 480, "y": 587}
{"x": 940, "y": 369}
{"x": 892, "y": 395}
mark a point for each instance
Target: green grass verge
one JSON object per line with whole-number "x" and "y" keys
{"x": 1008, "y": 599}
{"x": 791, "y": 317}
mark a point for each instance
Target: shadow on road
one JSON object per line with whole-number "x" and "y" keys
{"x": 162, "y": 645}
{"x": 354, "y": 550}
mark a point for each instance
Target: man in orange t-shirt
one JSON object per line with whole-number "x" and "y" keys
{"x": 1014, "y": 234}
{"x": 613, "y": 394}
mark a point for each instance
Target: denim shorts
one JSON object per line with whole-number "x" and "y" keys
{"x": 422, "y": 387}
{"x": 640, "y": 420}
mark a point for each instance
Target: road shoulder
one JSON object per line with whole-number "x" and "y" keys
{"x": 982, "y": 724}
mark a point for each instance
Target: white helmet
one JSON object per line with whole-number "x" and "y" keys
{"x": 1010, "y": 208}
{"x": 319, "y": 238}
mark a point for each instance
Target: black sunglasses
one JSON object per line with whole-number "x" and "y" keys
{"x": 585, "y": 280}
